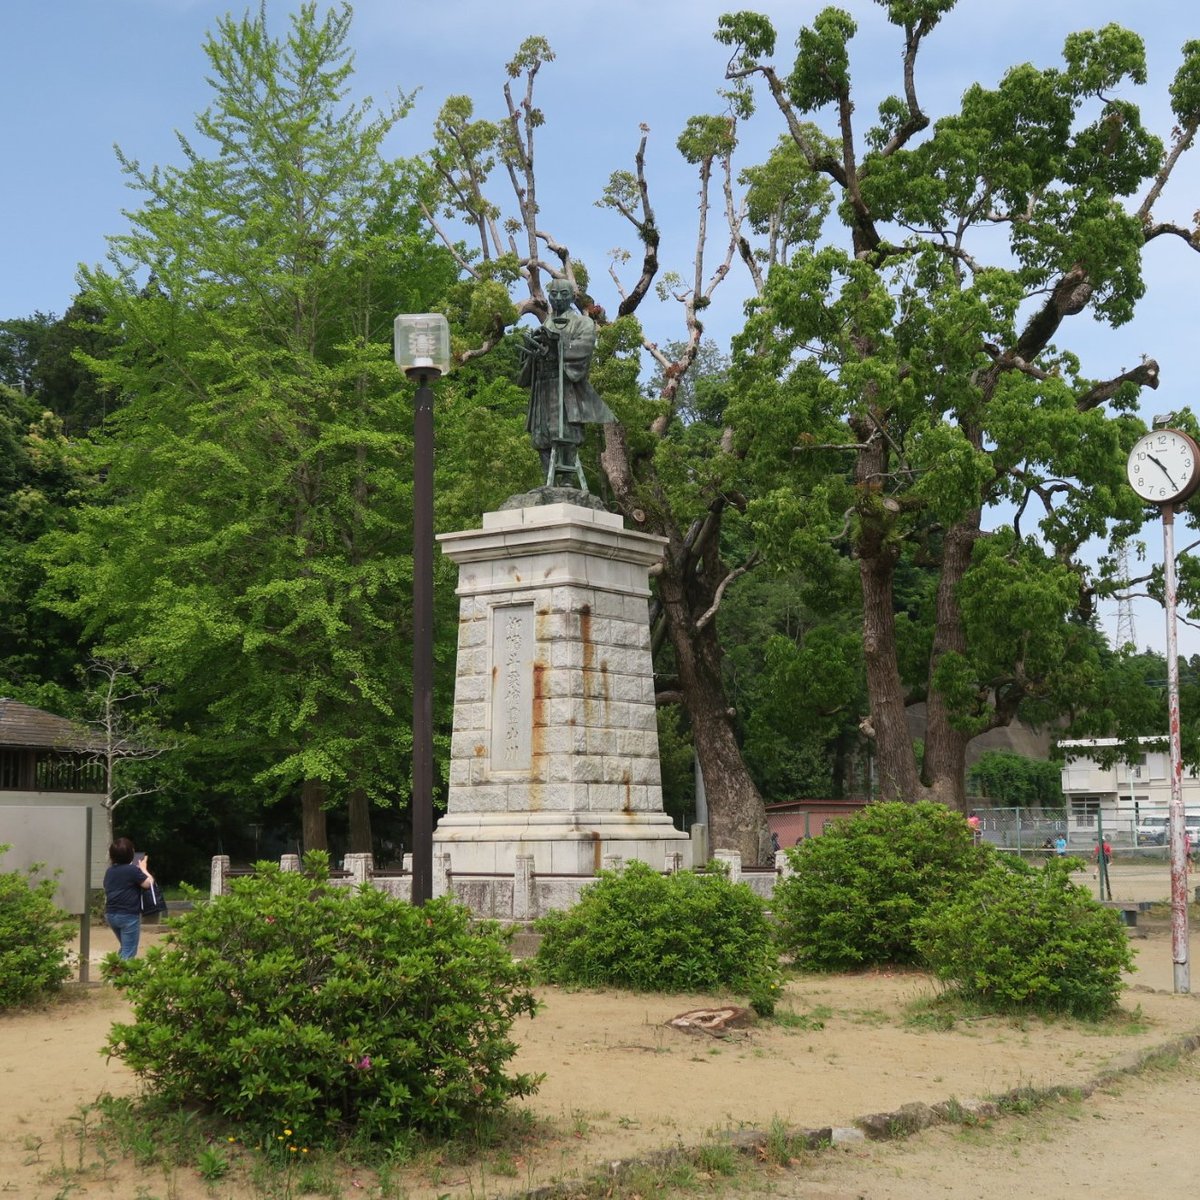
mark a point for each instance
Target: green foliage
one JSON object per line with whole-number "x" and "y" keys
{"x": 751, "y": 34}
{"x": 905, "y": 375}
{"x": 1010, "y": 779}
{"x": 676, "y": 758}
{"x": 41, "y": 481}
{"x": 860, "y": 887}
{"x": 705, "y": 139}
{"x": 1020, "y": 937}
{"x": 1185, "y": 88}
{"x": 249, "y": 547}
{"x": 33, "y": 937}
{"x": 327, "y": 1009}
{"x": 685, "y": 932}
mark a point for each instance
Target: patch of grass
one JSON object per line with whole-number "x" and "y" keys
{"x": 868, "y": 1016}
{"x": 782, "y": 1147}
{"x": 678, "y": 1171}
{"x": 814, "y": 1019}
{"x": 938, "y": 1013}
{"x": 1027, "y": 1100}
{"x": 949, "y": 1009}
{"x": 275, "y": 1163}
{"x": 504, "y": 1164}
{"x": 716, "y": 1159}
{"x": 213, "y": 1163}
{"x": 1121, "y": 1022}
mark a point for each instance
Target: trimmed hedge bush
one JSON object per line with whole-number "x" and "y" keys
{"x": 686, "y": 932}
{"x": 331, "y": 1010}
{"x": 859, "y": 887}
{"x": 1021, "y": 937}
{"x": 33, "y": 936}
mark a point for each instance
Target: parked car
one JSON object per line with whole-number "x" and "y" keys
{"x": 1152, "y": 831}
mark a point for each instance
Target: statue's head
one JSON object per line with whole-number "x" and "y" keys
{"x": 560, "y": 293}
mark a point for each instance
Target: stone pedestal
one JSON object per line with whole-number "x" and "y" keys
{"x": 555, "y": 748}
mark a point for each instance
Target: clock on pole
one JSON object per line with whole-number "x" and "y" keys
{"x": 1164, "y": 470}
{"x": 1164, "y": 466}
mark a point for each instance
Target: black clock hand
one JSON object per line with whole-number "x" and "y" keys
{"x": 1162, "y": 469}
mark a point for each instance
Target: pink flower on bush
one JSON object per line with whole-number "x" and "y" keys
{"x": 364, "y": 1063}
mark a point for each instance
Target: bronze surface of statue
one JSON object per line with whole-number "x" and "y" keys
{"x": 556, "y": 359}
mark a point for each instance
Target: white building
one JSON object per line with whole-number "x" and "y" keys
{"x": 1126, "y": 793}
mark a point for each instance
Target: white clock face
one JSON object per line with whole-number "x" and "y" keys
{"x": 1164, "y": 465}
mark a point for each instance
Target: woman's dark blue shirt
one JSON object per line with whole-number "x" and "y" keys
{"x": 123, "y": 888}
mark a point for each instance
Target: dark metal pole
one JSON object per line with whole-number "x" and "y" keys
{"x": 1101, "y": 860}
{"x": 422, "y": 588}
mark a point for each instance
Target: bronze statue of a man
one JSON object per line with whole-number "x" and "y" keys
{"x": 556, "y": 358}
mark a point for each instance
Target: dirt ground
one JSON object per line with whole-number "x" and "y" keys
{"x": 620, "y": 1083}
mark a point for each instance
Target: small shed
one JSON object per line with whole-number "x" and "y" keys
{"x": 795, "y": 820}
{"x": 45, "y": 759}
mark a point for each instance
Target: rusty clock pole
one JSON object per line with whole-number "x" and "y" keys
{"x": 1164, "y": 469}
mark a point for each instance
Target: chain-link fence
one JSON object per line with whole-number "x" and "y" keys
{"x": 1028, "y": 829}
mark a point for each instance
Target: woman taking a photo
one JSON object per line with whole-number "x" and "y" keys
{"x": 124, "y": 883}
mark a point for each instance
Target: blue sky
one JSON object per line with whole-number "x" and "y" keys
{"x": 77, "y": 76}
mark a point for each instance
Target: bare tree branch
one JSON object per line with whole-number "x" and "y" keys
{"x": 1182, "y": 142}
{"x": 711, "y": 611}
{"x": 1144, "y": 375}
{"x": 116, "y": 739}
{"x": 917, "y": 120}
{"x": 462, "y": 263}
{"x": 647, "y": 234}
{"x": 1191, "y": 236}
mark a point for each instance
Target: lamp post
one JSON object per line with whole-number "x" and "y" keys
{"x": 423, "y": 354}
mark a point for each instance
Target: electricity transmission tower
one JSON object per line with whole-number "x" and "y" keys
{"x": 1126, "y": 634}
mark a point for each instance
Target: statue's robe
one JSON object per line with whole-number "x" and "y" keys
{"x": 582, "y": 404}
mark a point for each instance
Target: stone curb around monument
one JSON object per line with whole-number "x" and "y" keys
{"x": 896, "y": 1125}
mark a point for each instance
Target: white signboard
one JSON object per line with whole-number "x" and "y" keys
{"x": 61, "y": 838}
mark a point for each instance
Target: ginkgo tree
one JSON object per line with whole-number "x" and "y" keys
{"x": 249, "y": 549}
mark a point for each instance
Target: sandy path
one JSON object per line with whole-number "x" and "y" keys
{"x": 619, "y": 1083}
{"x": 1136, "y": 1140}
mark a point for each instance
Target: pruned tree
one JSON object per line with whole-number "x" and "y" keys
{"x": 668, "y": 472}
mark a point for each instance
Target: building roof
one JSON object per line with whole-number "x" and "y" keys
{"x": 21, "y": 725}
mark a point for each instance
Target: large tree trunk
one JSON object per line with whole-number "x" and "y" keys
{"x": 360, "y": 822}
{"x": 895, "y": 762}
{"x": 945, "y": 763}
{"x": 736, "y": 817}
{"x": 688, "y": 590}
{"x": 312, "y": 815}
